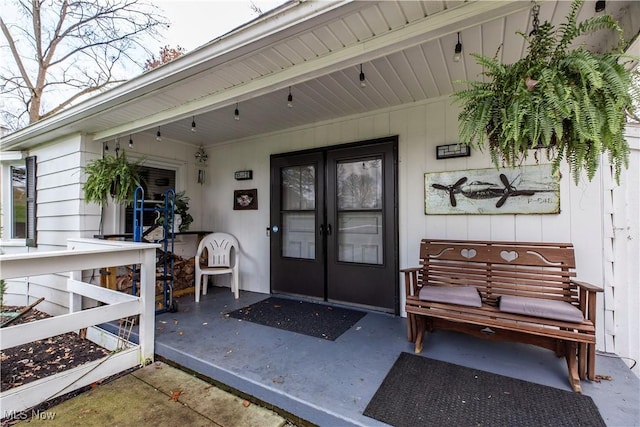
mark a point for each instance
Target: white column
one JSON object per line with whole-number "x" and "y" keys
{"x": 147, "y": 299}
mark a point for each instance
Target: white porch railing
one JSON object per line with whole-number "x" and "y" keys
{"x": 82, "y": 254}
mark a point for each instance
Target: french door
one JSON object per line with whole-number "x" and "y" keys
{"x": 334, "y": 224}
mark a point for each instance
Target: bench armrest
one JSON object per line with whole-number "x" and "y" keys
{"x": 587, "y": 286}
{"x": 587, "y": 297}
{"x": 411, "y": 280}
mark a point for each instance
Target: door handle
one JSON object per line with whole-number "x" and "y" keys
{"x": 323, "y": 230}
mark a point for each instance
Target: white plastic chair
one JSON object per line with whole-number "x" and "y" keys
{"x": 219, "y": 261}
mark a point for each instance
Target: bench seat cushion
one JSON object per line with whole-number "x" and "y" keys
{"x": 539, "y": 307}
{"x": 460, "y": 295}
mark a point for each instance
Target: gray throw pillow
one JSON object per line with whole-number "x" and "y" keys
{"x": 460, "y": 295}
{"x": 548, "y": 309}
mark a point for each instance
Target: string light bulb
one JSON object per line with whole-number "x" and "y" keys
{"x": 193, "y": 124}
{"x": 236, "y": 113}
{"x": 130, "y": 142}
{"x": 363, "y": 81}
{"x": 600, "y": 6}
{"x": 158, "y": 135}
{"x": 290, "y": 99}
{"x": 457, "y": 52}
{"x": 106, "y": 146}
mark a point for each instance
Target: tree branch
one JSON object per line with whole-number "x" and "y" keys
{"x": 15, "y": 54}
{"x": 72, "y": 45}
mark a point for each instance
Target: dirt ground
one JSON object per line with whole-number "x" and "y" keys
{"x": 39, "y": 359}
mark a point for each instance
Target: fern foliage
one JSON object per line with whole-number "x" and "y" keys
{"x": 560, "y": 97}
{"x": 111, "y": 177}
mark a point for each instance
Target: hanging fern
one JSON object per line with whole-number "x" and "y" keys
{"x": 564, "y": 99}
{"x": 111, "y": 177}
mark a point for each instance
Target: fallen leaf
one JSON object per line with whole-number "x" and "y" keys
{"x": 180, "y": 333}
{"x": 246, "y": 403}
{"x": 599, "y": 378}
{"x": 175, "y": 394}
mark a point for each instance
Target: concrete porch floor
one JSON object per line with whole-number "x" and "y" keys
{"x": 330, "y": 383}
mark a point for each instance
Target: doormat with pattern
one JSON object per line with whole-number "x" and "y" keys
{"x": 419, "y": 391}
{"x": 316, "y": 320}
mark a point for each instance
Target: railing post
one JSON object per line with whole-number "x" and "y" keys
{"x": 148, "y": 300}
{"x": 75, "y": 300}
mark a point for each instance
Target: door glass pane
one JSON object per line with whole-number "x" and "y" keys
{"x": 299, "y": 187}
{"x": 298, "y": 212}
{"x": 360, "y": 184}
{"x": 298, "y": 235}
{"x": 360, "y": 237}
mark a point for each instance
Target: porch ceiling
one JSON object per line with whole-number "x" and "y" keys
{"x": 405, "y": 48}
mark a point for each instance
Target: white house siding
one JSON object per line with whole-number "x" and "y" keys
{"x": 623, "y": 276}
{"x": 61, "y": 214}
{"x": 420, "y": 128}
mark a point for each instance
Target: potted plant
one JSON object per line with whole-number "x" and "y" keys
{"x": 111, "y": 177}
{"x": 182, "y": 217}
{"x": 560, "y": 97}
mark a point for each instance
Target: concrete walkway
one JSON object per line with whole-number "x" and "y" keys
{"x": 157, "y": 395}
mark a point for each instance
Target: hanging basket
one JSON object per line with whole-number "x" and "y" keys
{"x": 111, "y": 177}
{"x": 566, "y": 100}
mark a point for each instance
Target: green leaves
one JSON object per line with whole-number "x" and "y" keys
{"x": 568, "y": 100}
{"x": 180, "y": 207}
{"x": 111, "y": 176}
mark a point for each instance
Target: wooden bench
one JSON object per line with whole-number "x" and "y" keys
{"x": 542, "y": 273}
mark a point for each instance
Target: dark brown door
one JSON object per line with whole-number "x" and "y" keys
{"x": 297, "y": 252}
{"x": 334, "y": 224}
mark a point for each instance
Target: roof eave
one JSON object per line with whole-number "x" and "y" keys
{"x": 287, "y": 15}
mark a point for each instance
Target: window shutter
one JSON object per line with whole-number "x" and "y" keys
{"x": 32, "y": 230}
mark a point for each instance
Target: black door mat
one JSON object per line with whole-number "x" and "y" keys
{"x": 316, "y": 320}
{"x": 419, "y": 391}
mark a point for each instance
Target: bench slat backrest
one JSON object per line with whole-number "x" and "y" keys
{"x": 539, "y": 270}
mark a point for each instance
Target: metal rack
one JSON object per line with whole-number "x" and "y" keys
{"x": 164, "y": 213}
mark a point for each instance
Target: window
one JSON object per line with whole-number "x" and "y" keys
{"x": 20, "y": 202}
{"x": 155, "y": 182}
